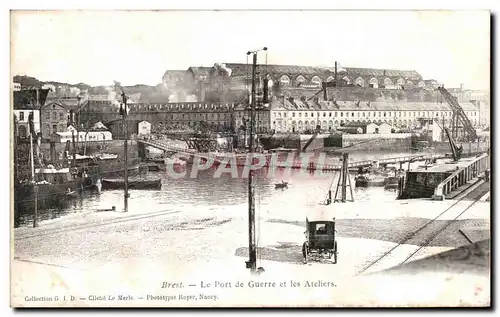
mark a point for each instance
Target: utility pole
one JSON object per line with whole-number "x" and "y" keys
{"x": 125, "y": 149}
{"x": 252, "y": 248}
{"x": 252, "y": 262}
{"x": 33, "y": 179}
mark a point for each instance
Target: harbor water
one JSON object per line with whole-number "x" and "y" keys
{"x": 211, "y": 193}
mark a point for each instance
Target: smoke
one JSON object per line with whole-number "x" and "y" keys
{"x": 113, "y": 93}
{"x": 223, "y": 69}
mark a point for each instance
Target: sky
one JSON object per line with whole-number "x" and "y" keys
{"x": 137, "y": 47}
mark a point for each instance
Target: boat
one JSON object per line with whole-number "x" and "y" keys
{"x": 367, "y": 181}
{"x": 391, "y": 182}
{"x": 133, "y": 183}
{"x": 281, "y": 185}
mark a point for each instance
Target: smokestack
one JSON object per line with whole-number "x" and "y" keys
{"x": 325, "y": 94}
{"x": 265, "y": 89}
{"x": 461, "y": 87}
{"x": 202, "y": 92}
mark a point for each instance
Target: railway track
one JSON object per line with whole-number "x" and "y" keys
{"x": 402, "y": 252}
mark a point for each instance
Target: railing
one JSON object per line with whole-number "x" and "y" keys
{"x": 461, "y": 177}
{"x": 164, "y": 145}
{"x": 403, "y": 159}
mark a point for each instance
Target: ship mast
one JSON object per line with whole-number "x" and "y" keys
{"x": 252, "y": 248}
{"x": 124, "y": 113}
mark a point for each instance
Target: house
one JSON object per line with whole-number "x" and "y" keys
{"x": 99, "y": 134}
{"x": 54, "y": 118}
{"x": 384, "y": 128}
{"x": 21, "y": 116}
{"x": 26, "y": 101}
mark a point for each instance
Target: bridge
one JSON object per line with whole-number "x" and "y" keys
{"x": 169, "y": 146}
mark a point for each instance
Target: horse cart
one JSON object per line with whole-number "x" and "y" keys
{"x": 320, "y": 236}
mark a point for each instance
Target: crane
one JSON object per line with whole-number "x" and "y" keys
{"x": 458, "y": 112}
{"x": 456, "y": 151}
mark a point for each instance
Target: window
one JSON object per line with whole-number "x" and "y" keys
{"x": 54, "y": 128}
{"x": 293, "y": 114}
{"x": 284, "y": 80}
{"x": 54, "y": 115}
{"x": 330, "y": 114}
{"x": 352, "y": 114}
{"x": 341, "y": 114}
{"x": 324, "y": 114}
{"x": 47, "y": 115}
{"x": 305, "y": 114}
{"x": 21, "y": 116}
{"x": 61, "y": 116}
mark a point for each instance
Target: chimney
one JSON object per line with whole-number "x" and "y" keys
{"x": 202, "y": 92}
{"x": 265, "y": 88}
{"x": 461, "y": 87}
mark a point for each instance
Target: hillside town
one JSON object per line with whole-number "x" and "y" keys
{"x": 216, "y": 96}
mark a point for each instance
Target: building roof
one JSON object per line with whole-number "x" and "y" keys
{"x": 200, "y": 71}
{"x": 177, "y": 74}
{"x": 70, "y": 103}
{"x": 239, "y": 69}
{"x": 405, "y": 74}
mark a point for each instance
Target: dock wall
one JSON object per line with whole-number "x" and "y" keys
{"x": 377, "y": 141}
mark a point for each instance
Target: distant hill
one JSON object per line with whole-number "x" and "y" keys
{"x": 147, "y": 92}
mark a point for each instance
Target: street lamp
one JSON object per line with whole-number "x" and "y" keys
{"x": 252, "y": 248}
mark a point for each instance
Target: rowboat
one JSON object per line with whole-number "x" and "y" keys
{"x": 281, "y": 185}
{"x": 366, "y": 181}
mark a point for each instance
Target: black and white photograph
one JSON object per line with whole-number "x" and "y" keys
{"x": 250, "y": 158}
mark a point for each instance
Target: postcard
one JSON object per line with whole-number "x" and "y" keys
{"x": 250, "y": 158}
